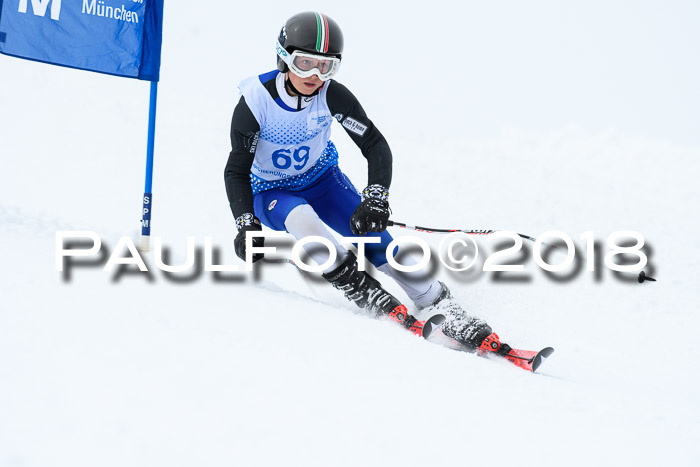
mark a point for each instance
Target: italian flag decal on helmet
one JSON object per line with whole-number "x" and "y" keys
{"x": 322, "y": 35}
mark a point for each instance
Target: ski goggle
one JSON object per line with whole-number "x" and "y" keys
{"x": 304, "y": 64}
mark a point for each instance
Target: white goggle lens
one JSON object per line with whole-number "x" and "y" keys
{"x": 305, "y": 64}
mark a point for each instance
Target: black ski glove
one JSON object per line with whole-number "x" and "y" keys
{"x": 246, "y": 223}
{"x": 372, "y": 215}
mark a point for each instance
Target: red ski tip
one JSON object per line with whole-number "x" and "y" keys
{"x": 419, "y": 328}
{"x": 529, "y": 360}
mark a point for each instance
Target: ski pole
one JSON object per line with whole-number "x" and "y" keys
{"x": 640, "y": 278}
{"x": 468, "y": 232}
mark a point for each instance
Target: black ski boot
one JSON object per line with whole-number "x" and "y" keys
{"x": 361, "y": 288}
{"x": 367, "y": 293}
{"x": 465, "y": 329}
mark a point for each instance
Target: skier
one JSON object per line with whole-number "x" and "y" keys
{"x": 283, "y": 172}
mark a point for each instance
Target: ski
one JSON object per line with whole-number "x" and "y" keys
{"x": 492, "y": 347}
{"x": 528, "y": 359}
{"x": 422, "y": 329}
{"x": 525, "y": 359}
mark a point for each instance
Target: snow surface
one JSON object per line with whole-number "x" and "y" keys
{"x": 574, "y": 117}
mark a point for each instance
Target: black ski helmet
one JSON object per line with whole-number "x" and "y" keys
{"x": 311, "y": 32}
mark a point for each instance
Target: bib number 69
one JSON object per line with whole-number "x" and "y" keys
{"x": 283, "y": 158}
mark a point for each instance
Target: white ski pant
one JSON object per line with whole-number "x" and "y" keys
{"x": 303, "y": 221}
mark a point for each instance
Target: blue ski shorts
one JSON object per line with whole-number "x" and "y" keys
{"x": 333, "y": 197}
